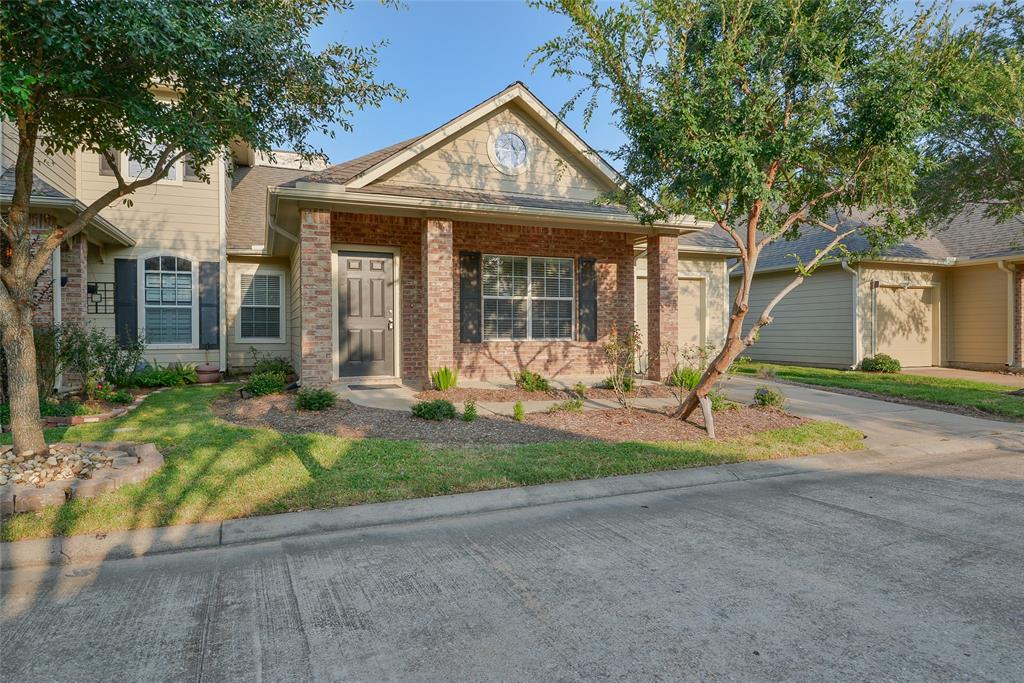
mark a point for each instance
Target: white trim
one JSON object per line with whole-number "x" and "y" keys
{"x": 492, "y": 152}
{"x": 140, "y": 262}
{"x": 124, "y": 162}
{"x": 253, "y": 271}
{"x": 396, "y": 289}
{"x": 857, "y": 343}
{"x": 1011, "y": 336}
{"x": 529, "y": 298}
{"x": 222, "y": 218}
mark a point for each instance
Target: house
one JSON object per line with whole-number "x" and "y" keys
{"x": 480, "y": 245}
{"x": 952, "y": 299}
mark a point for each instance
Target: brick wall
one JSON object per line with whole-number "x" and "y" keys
{"x": 438, "y": 262}
{"x": 317, "y": 352}
{"x": 662, "y": 303}
{"x": 42, "y": 295}
{"x": 73, "y": 263}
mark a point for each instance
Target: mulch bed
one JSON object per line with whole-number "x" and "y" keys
{"x": 351, "y": 421}
{"x": 511, "y": 394}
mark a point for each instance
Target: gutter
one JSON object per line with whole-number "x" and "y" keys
{"x": 857, "y": 350}
{"x": 1011, "y": 276}
{"x": 101, "y": 224}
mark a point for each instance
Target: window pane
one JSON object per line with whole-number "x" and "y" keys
{"x": 260, "y": 322}
{"x": 184, "y": 264}
{"x": 169, "y": 325}
{"x": 153, "y": 263}
{"x": 552, "y": 319}
{"x": 167, "y": 262}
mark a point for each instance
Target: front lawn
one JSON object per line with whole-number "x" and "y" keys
{"x": 994, "y": 399}
{"x": 215, "y": 470}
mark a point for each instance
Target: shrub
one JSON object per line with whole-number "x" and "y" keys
{"x": 469, "y": 410}
{"x": 264, "y": 362}
{"x": 264, "y": 383}
{"x": 880, "y": 363}
{"x": 719, "y": 401}
{"x": 444, "y": 378}
{"x": 105, "y": 392}
{"x": 628, "y": 383}
{"x": 581, "y": 389}
{"x": 573, "y": 405}
{"x": 620, "y": 357}
{"x": 173, "y": 375}
{"x": 684, "y": 377}
{"x": 315, "y": 399}
{"x": 769, "y": 398}
{"x": 439, "y": 409}
{"x": 531, "y": 381}
{"x": 518, "y": 412}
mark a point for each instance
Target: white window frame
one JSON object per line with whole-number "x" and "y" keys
{"x": 280, "y": 275}
{"x": 141, "y": 297}
{"x": 179, "y": 172}
{"x": 529, "y": 298}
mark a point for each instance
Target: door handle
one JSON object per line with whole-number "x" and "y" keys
{"x": 391, "y": 323}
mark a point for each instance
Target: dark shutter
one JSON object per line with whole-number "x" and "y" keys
{"x": 586, "y": 300}
{"x": 126, "y": 300}
{"x": 469, "y": 297}
{"x": 105, "y": 168}
{"x": 209, "y": 305}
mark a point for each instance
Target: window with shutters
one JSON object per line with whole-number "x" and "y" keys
{"x": 261, "y": 314}
{"x": 134, "y": 169}
{"x": 527, "y": 297}
{"x": 168, "y": 300}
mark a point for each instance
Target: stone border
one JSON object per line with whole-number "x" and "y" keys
{"x": 72, "y": 420}
{"x": 142, "y": 463}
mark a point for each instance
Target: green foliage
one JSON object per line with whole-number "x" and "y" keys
{"x": 469, "y": 410}
{"x": 264, "y": 362}
{"x": 65, "y": 408}
{"x": 628, "y": 383}
{"x": 444, "y": 378}
{"x": 620, "y": 356}
{"x": 105, "y": 392}
{"x": 439, "y": 409}
{"x": 580, "y": 389}
{"x": 518, "y": 411}
{"x": 572, "y": 405}
{"x": 531, "y": 381}
{"x": 769, "y": 398}
{"x": 172, "y": 375}
{"x": 880, "y": 362}
{"x": 265, "y": 383}
{"x": 684, "y": 377}
{"x": 315, "y": 399}
{"x": 719, "y": 401}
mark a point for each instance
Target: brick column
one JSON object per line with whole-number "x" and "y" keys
{"x": 662, "y": 303}
{"x": 73, "y": 265}
{"x": 40, "y": 225}
{"x": 317, "y": 349}
{"x": 438, "y": 282}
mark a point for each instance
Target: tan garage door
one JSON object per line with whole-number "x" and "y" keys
{"x": 692, "y": 312}
{"x": 905, "y": 324}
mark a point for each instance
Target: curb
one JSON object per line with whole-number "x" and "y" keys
{"x": 146, "y": 542}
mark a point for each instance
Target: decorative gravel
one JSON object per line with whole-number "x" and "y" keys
{"x": 351, "y": 421}
{"x": 60, "y": 461}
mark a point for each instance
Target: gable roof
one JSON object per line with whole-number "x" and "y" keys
{"x": 970, "y": 236}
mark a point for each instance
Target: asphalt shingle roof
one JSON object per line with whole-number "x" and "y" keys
{"x": 247, "y": 215}
{"x": 40, "y": 188}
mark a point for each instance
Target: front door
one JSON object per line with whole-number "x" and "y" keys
{"x": 366, "y": 301}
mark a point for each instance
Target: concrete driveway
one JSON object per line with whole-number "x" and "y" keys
{"x": 906, "y": 570}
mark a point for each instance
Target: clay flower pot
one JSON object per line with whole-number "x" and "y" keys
{"x": 208, "y": 374}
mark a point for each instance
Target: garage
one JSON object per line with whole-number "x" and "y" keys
{"x": 905, "y": 323}
{"x": 692, "y": 311}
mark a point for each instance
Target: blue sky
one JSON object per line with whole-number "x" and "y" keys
{"x": 449, "y": 56}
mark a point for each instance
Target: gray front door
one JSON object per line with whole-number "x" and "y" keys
{"x": 366, "y": 300}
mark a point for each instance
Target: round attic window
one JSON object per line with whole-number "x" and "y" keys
{"x": 509, "y": 152}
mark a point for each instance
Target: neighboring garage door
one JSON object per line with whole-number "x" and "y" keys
{"x": 905, "y": 324}
{"x": 692, "y": 312}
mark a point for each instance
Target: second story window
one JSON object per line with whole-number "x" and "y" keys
{"x": 139, "y": 169}
{"x": 168, "y": 300}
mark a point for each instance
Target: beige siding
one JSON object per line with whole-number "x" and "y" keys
{"x": 238, "y": 349}
{"x": 882, "y": 332}
{"x": 56, "y": 169}
{"x": 463, "y": 162}
{"x": 813, "y": 325}
{"x": 977, "y": 316}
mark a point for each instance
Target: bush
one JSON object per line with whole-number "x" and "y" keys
{"x": 719, "y": 401}
{"x": 264, "y": 383}
{"x": 880, "y": 363}
{"x": 264, "y": 362}
{"x": 620, "y": 357}
{"x": 581, "y": 389}
{"x": 573, "y": 405}
{"x": 173, "y": 375}
{"x": 684, "y": 377}
{"x": 627, "y": 382}
{"x": 105, "y": 392}
{"x": 769, "y": 398}
{"x": 518, "y": 412}
{"x": 531, "y": 381}
{"x": 439, "y": 409}
{"x": 469, "y": 410}
{"x": 315, "y": 399}
{"x": 444, "y": 378}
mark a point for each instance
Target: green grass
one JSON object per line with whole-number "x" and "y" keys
{"x": 989, "y": 398}
{"x": 215, "y": 470}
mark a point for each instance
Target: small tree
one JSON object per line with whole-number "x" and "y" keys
{"x": 621, "y": 352}
{"x": 767, "y": 117}
{"x": 157, "y": 81}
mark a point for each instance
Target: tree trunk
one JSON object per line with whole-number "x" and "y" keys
{"x": 19, "y": 346}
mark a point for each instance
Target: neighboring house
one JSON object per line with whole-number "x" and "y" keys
{"x": 480, "y": 245}
{"x": 951, "y": 299}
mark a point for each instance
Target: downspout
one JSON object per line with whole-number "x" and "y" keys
{"x": 857, "y": 351}
{"x": 1011, "y": 276}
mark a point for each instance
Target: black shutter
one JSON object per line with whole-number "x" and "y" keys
{"x": 469, "y": 297}
{"x": 586, "y": 300}
{"x": 126, "y": 300}
{"x": 209, "y": 305}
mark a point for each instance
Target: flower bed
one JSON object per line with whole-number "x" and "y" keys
{"x": 70, "y": 470}
{"x": 104, "y": 411}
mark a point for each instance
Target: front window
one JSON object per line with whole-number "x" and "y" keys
{"x": 260, "y": 314}
{"x": 168, "y": 300}
{"x": 527, "y": 297}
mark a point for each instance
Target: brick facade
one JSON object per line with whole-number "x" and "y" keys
{"x": 40, "y": 226}
{"x": 662, "y": 303}
{"x": 73, "y": 264}
{"x": 438, "y": 264}
{"x": 317, "y": 344}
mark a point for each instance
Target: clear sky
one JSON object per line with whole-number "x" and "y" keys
{"x": 449, "y": 56}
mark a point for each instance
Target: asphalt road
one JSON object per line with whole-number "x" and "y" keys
{"x": 911, "y": 571}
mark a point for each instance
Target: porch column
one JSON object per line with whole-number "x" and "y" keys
{"x": 438, "y": 283}
{"x": 73, "y": 264}
{"x": 662, "y": 303}
{"x": 317, "y": 347}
